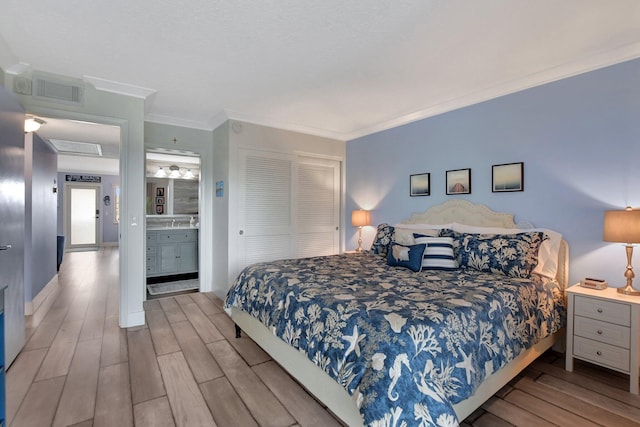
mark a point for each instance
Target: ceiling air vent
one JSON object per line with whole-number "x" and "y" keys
{"x": 77, "y": 148}
{"x": 68, "y": 91}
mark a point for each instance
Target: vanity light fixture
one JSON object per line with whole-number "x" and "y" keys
{"x": 188, "y": 174}
{"x": 160, "y": 173}
{"x": 175, "y": 172}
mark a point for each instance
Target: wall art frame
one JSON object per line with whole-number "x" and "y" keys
{"x": 458, "y": 181}
{"x": 507, "y": 177}
{"x": 420, "y": 184}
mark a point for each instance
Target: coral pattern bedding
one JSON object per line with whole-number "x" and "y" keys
{"x": 406, "y": 345}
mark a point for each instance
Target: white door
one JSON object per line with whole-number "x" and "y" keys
{"x": 266, "y": 228}
{"x": 12, "y": 209}
{"x": 289, "y": 206}
{"x": 318, "y": 207}
{"x": 83, "y": 215}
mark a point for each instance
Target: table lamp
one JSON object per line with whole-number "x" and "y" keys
{"x": 623, "y": 226}
{"x": 360, "y": 218}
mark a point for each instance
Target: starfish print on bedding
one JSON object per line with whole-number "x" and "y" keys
{"x": 466, "y": 365}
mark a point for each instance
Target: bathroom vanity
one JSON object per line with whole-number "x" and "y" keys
{"x": 172, "y": 251}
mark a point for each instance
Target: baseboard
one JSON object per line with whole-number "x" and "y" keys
{"x": 52, "y": 287}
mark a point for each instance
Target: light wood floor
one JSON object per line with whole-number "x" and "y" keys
{"x": 185, "y": 368}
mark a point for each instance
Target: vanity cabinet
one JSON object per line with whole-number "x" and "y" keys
{"x": 172, "y": 252}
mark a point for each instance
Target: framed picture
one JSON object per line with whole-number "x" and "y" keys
{"x": 419, "y": 184}
{"x": 459, "y": 181}
{"x": 160, "y": 191}
{"x": 159, "y": 200}
{"x": 159, "y": 209}
{"x": 507, "y": 177}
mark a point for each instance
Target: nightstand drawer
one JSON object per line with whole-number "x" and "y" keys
{"x": 606, "y": 311}
{"x": 597, "y": 330}
{"x": 602, "y": 354}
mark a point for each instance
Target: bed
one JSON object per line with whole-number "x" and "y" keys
{"x": 382, "y": 344}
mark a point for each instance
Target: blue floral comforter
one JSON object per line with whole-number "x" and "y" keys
{"x": 405, "y": 345}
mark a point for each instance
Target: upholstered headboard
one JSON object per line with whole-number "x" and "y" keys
{"x": 464, "y": 212}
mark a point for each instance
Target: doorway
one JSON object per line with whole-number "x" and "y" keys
{"x": 172, "y": 222}
{"x": 82, "y": 214}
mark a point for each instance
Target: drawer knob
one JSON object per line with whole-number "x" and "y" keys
{"x": 599, "y": 332}
{"x": 599, "y": 353}
{"x": 599, "y": 310}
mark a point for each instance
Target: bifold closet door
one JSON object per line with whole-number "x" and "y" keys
{"x": 289, "y": 206}
{"x": 317, "y": 207}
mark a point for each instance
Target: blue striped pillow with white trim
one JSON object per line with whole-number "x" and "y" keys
{"x": 439, "y": 252}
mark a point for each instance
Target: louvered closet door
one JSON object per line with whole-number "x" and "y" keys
{"x": 266, "y": 212}
{"x": 317, "y": 207}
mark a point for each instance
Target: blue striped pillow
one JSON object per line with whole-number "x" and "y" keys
{"x": 439, "y": 252}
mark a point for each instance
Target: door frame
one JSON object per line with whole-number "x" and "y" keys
{"x": 66, "y": 212}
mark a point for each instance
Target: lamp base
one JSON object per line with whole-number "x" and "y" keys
{"x": 628, "y": 290}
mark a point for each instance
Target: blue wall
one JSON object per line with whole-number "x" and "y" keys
{"x": 579, "y": 139}
{"x": 41, "y": 165}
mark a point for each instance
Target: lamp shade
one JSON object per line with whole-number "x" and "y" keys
{"x": 622, "y": 226}
{"x": 360, "y": 218}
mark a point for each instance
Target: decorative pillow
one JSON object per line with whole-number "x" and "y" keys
{"x": 439, "y": 252}
{"x": 406, "y": 256}
{"x": 547, "y": 254}
{"x": 383, "y": 239}
{"x": 457, "y": 242}
{"x": 404, "y": 236}
{"x": 514, "y": 255}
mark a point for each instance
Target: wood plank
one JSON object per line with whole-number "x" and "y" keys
{"x": 490, "y": 420}
{"x": 202, "y": 364}
{"x": 206, "y": 305}
{"x": 304, "y": 408}
{"x": 594, "y": 398}
{"x": 39, "y": 405}
{"x": 214, "y": 298}
{"x": 153, "y": 413}
{"x": 79, "y": 394}
{"x": 187, "y": 404}
{"x": 20, "y": 376}
{"x": 264, "y": 406}
{"x": 46, "y": 332}
{"x": 590, "y": 384}
{"x": 162, "y": 335}
{"x": 225, "y": 404}
{"x": 569, "y": 403}
{"x": 184, "y": 299}
{"x": 146, "y": 380}
{"x": 114, "y": 343}
{"x": 87, "y": 423}
{"x": 205, "y": 328}
{"x": 513, "y": 414}
{"x": 552, "y": 413}
{"x": 113, "y": 400}
{"x": 151, "y": 304}
{"x": 93, "y": 326}
{"x": 248, "y": 349}
{"x": 61, "y": 351}
{"x": 172, "y": 310}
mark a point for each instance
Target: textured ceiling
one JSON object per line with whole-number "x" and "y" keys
{"x": 335, "y": 68}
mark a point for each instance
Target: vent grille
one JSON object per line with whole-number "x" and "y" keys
{"x": 58, "y": 90}
{"x": 77, "y": 148}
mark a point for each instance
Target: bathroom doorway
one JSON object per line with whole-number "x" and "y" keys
{"x": 172, "y": 222}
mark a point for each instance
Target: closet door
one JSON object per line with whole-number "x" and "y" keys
{"x": 265, "y": 194}
{"x": 317, "y": 207}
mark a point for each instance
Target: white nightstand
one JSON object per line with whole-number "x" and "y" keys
{"x": 603, "y": 328}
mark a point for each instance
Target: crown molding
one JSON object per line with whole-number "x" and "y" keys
{"x": 262, "y": 121}
{"x": 119, "y": 88}
{"x": 599, "y": 60}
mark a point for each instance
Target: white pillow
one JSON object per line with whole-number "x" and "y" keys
{"x": 404, "y": 236}
{"x": 439, "y": 253}
{"x": 547, "y": 254}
